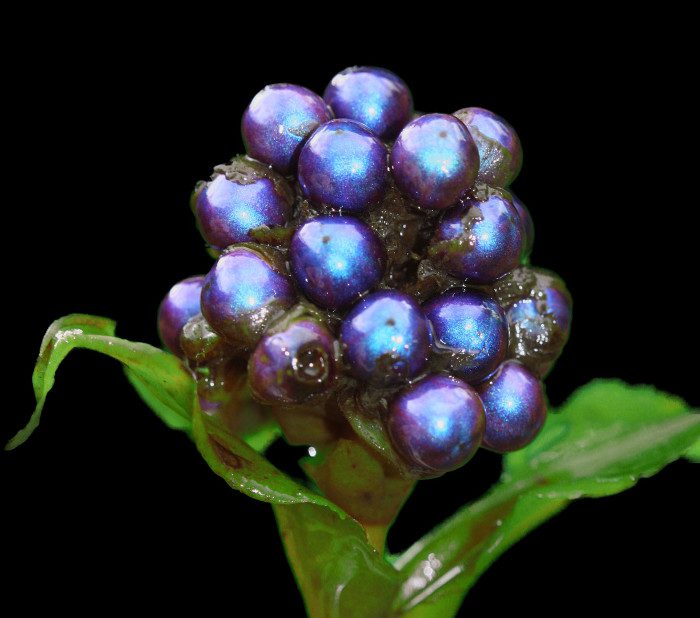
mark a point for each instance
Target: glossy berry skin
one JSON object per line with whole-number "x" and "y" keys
{"x": 500, "y": 152}
{"x": 375, "y": 97}
{"x": 528, "y": 226}
{"x": 437, "y": 424}
{"x": 243, "y": 292}
{"x": 385, "y": 338}
{"x": 480, "y": 240}
{"x": 336, "y": 259}
{"x": 343, "y": 166}
{"x": 227, "y": 211}
{"x": 278, "y": 121}
{"x": 515, "y": 407}
{"x": 472, "y": 329}
{"x": 434, "y": 160}
{"x": 291, "y": 365}
{"x": 180, "y": 304}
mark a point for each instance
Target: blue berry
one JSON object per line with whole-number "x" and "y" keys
{"x": 179, "y": 305}
{"x": 481, "y": 239}
{"x": 336, "y": 259}
{"x": 386, "y": 338}
{"x": 437, "y": 424}
{"x": 244, "y": 291}
{"x": 515, "y": 407}
{"x": 343, "y": 166}
{"x": 291, "y": 364}
{"x": 375, "y": 97}
{"x": 434, "y": 160}
{"x": 500, "y": 152}
{"x": 278, "y": 121}
{"x": 240, "y": 198}
{"x": 471, "y": 332}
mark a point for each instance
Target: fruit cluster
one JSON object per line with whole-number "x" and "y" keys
{"x": 371, "y": 282}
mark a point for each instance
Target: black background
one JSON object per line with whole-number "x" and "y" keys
{"x": 115, "y": 132}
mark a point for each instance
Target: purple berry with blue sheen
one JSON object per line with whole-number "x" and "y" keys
{"x": 227, "y": 209}
{"x": 515, "y": 407}
{"x": 528, "y": 226}
{"x": 434, "y": 160}
{"x": 375, "y": 97}
{"x": 336, "y": 259}
{"x": 244, "y": 291}
{"x": 343, "y": 166}
{"x": 386, "y": 338}
{"x": 291, "y": 365}
{"x": 479, "y": 240}
{"x": 177, "y": 308}
{"x": 470, "y": 333}
{"x": 436, "y": 424}
{"x": 278, "y": 121}
{"x": 500, "y": 152}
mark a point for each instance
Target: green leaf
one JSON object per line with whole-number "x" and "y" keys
{"x": 693, "y": 453}
{"x": 605, "y": 437}
{"x": 159, "y": 377}
{"x": 338, "y": 572}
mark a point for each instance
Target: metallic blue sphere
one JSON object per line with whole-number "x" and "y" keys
{"x": 227, "y": 210}
{"x": 434, "y": 160}
{"x": 336, "y": 259}
{"x": 243, "y": 292}
{"x": 470, "y": 331}
{"x": 343, "y": 166}
{"x": 515, "y": 407}
{"x": 180, "y": 304}
{"x": 480, "y": 240}
{"x": 527, "y": 224}
{"x": 437, "y": 424}
{"x": 375, "y": 97}
{"x": 386, "y": 338}
{"x": 278, "y": 121}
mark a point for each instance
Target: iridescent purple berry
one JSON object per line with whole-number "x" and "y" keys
{"x": 244, "y": 291}
{"x": 470, "y": 333}
{"x": 479, "y": 240}
{"x": 500, "y": 152}
{"x": 238, "y": 200}
{"x": 528, "y": 226}
{"x": 540, "y": 322}
{"x": 437, "y": 424}
{"x": 375, "y": 97}
{"x": 278, "y": 121}
{"x": 179, "y": 305}
{"x": 434, "y": 160}
{"x": 291, "y": 365}
{"x": 515, "y": 407}
{"x": 336, "y": 259}
{"x": 343, "y": 166}
{"x": 385, "y": 338}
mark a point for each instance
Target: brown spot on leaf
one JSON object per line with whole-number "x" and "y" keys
{"x": 225, "y": 456}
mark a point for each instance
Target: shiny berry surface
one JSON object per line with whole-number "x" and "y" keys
{"x": 290, "y": 365}
{"x": 227, "y": 210}
{"x": 434, "y": 160}
{"x": 500, "y": 152}
{"x": 436, "y": 424}
{"x": 343, "y": 166}
{"x": 515, "y": 407}
{"x": 243, "y": 291}
{"x": 528, "y": 226}
{"x": 336, "y": 259}
{"x": 385, "y": 338}
{"x": 480, "y": 240}
{"x": 470, "y": 332}
{"x": 377, "y": 98}
{"x": 278, "y": 121}
{"x": 179, "y": 305}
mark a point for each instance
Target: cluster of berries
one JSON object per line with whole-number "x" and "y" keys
{"x": 369, "y": 260}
